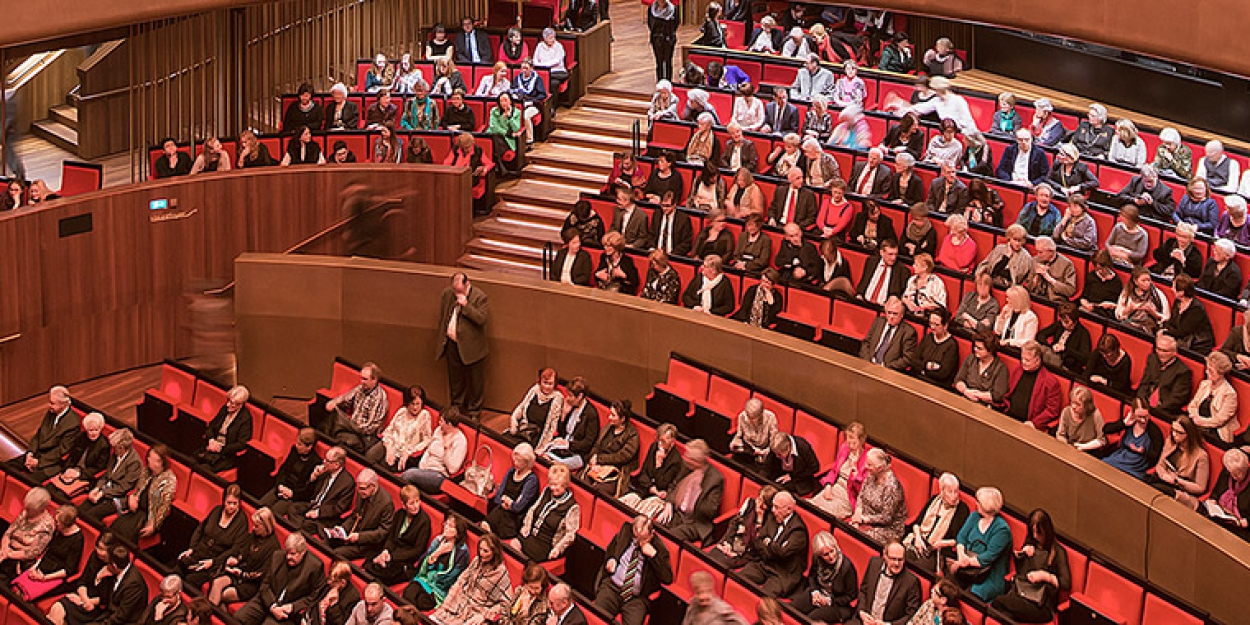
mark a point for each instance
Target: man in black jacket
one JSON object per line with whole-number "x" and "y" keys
{"x": 370, "y": 522}
{"x": 779, "y": 550}
{"x": 332, "y": 492}
{"x": 769, "y": 300}
{"x": 903, "y": 599}
{"x": 793, "y": 203}
{"x": 797, "y": 260}
{"x": 637, "y": 565}
{"x": 562, "y": 610}
{"x": 780, "y": 117}
{"x": 340, "y": 113}
{"x": 697, "y": 497}
{"x": 127, "y": 592}
{"x": 575, "y": 431}
{"x": 1153, "y": 199}
{"x": 472, "y": 46}
{"x": 294, "y": 478}
{"x": 291, "y": 585}
{"x": 1167, "y": 383}
{"x": 793, "y": 465}
{"x": 52, "y": 440}
{"x": 871, "y": 177}
{"x": 884, "y": 277}
{"x": 671, "y": 229}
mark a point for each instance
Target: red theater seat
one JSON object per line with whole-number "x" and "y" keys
{"x": 177, "y": 386}
{"x": 725, "y": 397}
{"x": 1159, "y": 611}
{"x": 685, "y": 381}
{"x": 1110, "y": 595}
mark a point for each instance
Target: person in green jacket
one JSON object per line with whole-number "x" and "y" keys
{"x": 505, "y": 127}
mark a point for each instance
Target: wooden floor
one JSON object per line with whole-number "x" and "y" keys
{"x": 43, "y": 162}
{"x": 633, "y": 65}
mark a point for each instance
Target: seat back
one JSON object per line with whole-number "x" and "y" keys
{"x": 687, "y": 381}
{"x": 79, "y": 177}
{"x": 1113, "y": 595}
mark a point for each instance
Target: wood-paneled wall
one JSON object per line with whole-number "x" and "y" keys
{"x": 294, "y": 315}
{"x": 110, "y": 299}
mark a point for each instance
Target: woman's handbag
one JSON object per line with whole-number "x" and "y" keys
{"x": 479, "y": 479}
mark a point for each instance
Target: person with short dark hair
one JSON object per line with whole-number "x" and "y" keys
{"x": 761, "y": 302}
{"x": 471, "y": 45}
{"x": 936, "y": 358}
{"x": 671, "y": 229}
{"x": 614, "y": 456}
{"x": 340, "y": 154}
{"x": 465, "y": 311}
{"x": 304, "y": 112}
{"x": 172, "y": 162}
{"x": 982, "y": 377}
{"x": 221, "y": 532}
{"x": 572, "y": 263}
{"x": 293, "y": 479}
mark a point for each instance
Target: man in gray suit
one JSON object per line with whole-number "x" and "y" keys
{"x": 464, "y": 314}
{"x": 1054, "y": 276}
{"x": 890, "y": 342}
{"x": 52, "y": 440}
{"x": 811, "y": 80}
{"x": 630, "y": 221}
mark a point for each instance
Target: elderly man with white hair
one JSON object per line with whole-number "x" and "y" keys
{"x": 292, "y": 583}
{"x": 563, "y": 611}
{"x": 871, "y": 177}
{"x": 1092, "y": 137}
{"x": 1228, "y": 504}
{"x": 1153, "y": 199}
{"x": 228, "y": 433}
{"x": 362, "y": 534}
{"x": 1054, "y": 276}
{"x": 1221, "y": 275}
{"x": 167, "y": 606}
{"x": 51, "y": 442}
{"x": 341, "y": 113}
{"x": 372, "y": 608}
{"x": 797, "y": 45}
{"x": 779, "y": 550}
{"x": 697, "y": 495}
{"x": 1221, "y": 172}
{"x": 27, "y": 538}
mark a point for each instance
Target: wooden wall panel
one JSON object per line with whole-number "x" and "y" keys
{"x": 113, "y": 298}
{"x": 622, "y": 345}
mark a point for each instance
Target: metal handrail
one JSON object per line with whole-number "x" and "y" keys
{"x": 548, "y": 258}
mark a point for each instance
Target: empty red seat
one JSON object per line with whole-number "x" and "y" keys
{"x": 784, "y": 412}
{"x": 915, "y": 483}
{"x": 276, "y": 437}
{"x": 177, "y": 386}
{"x": 810, "y": 309}
{"x": 821, "y": 434}
{"x": 688, "y": 562}
{"x": 668, "y": 136}
{"x": 852, "y": 319}
{"x": 685, "y": 381}
{"x": 202, "y": 496}
{"x": 725, "y": 397}
{"x": 1159, "y": 611}
{"x": 858, "y": 551}
{"x": 730, "y": 496}
{"x": 1111, "y": 595}
{"x": 209, "y": 398}
{"x": 608, "y": 521}
{"x": 741, "y": 598}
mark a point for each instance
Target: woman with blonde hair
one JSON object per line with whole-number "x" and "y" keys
{"x": 958, "y": 250}
{"x": 494, "y": 83}
{"x": 1214, "y": 406}
{"x": 1016, "y": 323}
{"x": 662, "y": 284}
{"x": 1080, "y": 423}
{"x": 1127, "y": 148}
{"x": 551, "y": 524}
{"x": 533, "y": 415}
{"x": 925, "y": 291}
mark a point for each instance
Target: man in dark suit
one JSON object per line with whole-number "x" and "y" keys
{"x": 903, "y": 599}
{"x": 738, "y": 151}
{"x": 770, "y": 304}
{"x": 127, "y": 597}
{"x": 883, "y": 276}
{"x": 697, "y": 497}
{"x": 294, "y": 477}
{"x": 472, "y": 45}
{"x": 341, "y": 113}
{"x": 773, "y": 37}
{"x": 637, "y": 565}
{"x": 890, "y": 342}
{"x": 779, "y": 552}
{"x": 947, "y": 193}
{"x": 709, "y": 291}
{"x": 124, "y": 468}
{"x": 291, "y": 585}
{"x": 1023, "y": 162}
{"x": 780, "y": 117}
{"x": 1152, "y": 198}
{"x": 578, "y": 268}
{"x": 1166, "y": 384}
{"x": 871, "y": 177}
{"x": 561, "y": 609}
{"x": 793, "y": 464}
{"x": 332, "y": 493}
{"x": 793, "y": 203}
{"x": 671, "y": 229}
{"x": 465, "y": 311}
{"x": 629, "y": 220}
{"x": 797, "y": 259}
{"x": 370, "y": 521}
{"x": 52, "y": 440}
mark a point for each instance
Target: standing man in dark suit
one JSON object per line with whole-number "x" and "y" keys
{"x": 472, "y": 46}
{"x": 947, "y": 193}
{"x": 779, "y": 551}
{"x": 883, "y": 276}
{"x": 561, "y": 609}
{"x": 793, "y": 465}
{"x": 572, "y": 263}
{"x": 671, "y": 230}
{"x": 637, "y": 565}
{"x": 895, "y": 606}
{"x": 127, "y": 592}
{"x": 794, "y": 203}
{"x": 1023, "y": 162}
{"x": 464, "y": 314}
{"x": 370, "y": 522}
{"x": 871, "y": 177}
{"x": 890, "y": 342}
{"x": 291, "y": 585}
{"x": 53, "y": 439}
{"x": 709, "y": 291}
{"x": 697, "y": 496}
{"x": 780, "y": 117}
{"x": 332, "y": 493}
{"x": 628, "y": 220}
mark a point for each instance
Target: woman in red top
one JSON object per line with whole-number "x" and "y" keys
{"x": 836, "y": 211}
{"x": 466, "y": 153}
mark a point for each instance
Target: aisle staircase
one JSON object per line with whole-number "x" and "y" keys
{"x": 576, "y": 157}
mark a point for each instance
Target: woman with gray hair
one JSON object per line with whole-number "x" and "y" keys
{"x": 124, "y": 467}
{"x": 1221, "y": 275}
{"x": 905, "y": 186}
{"x": 983, "y": 548}
{"x": 958, "y": 251}
{"x": 549, "y": 55}
{"x": 880, "y": 509}
{"x": 514, "y": 495}
{"x": 818, "y": 123}
{"x": 932, "y": 536}
{"x": 1214, "y": 405}
{"x": 1229, "y": 503}
{"x": 88, "y": 457}
{"x": 830, "y": 587}
{"x": 1172, "y": 156}
{"x": 697, "y": 104}
{"x": 1232, "y": 225}
{"x": 663, "y": 102}
{"x": 1092, "y": 137}
{"x": 167, "y": 608}
{"x": 1046, "y": 127}
{"x": 27, "y": 537}
{"x": 703, "y": 146}
{"x": 754, "y": 436}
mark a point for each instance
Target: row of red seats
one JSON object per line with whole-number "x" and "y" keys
{"x": 359, "y": 142}
{"x": 1095, "y": 585}
{"x": 480, "y": 105}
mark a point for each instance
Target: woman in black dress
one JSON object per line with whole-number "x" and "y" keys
{"x": 663, "y": 284}
{"x": 239, "y": 571}
{"x": 516, "y": 492}
{"x": 730, "y": 550}
{"x": 87, "y": 458}
{"x": 222, "y": 531}
{"x": 1111, "y": 366}
{"x": 407, "y": 540}
{"x": 85, "y": 603}
{"x": 1067, "y": 339}
{"x": 553, "y": 521}
{"x": 59, "y": 561}
{"x": 650, "y": 488}
{"x": 1102, "y": 287}
{"x": 303, "y": 150}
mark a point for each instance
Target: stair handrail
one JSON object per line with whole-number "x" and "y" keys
{"x": 548, "y": 258}
{"x": 636, "y": 137}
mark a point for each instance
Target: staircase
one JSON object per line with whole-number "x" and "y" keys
{"x": 61, "y": 126}
{"x": 576, "y": 157}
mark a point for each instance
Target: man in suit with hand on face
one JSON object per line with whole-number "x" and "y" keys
{"x": 465, "y": 311}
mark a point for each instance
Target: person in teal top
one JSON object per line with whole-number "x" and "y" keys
{"x": 982, "y": 547}
{"x": 421, "y": 113}
{"x": 441, "y": 566}
{"x": 505, "y": 126}
{"x": 1006, "y": 119}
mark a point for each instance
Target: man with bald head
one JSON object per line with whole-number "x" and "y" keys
{"x": 560, "y": 607}
{"x": 363, "y": 533}
{"x": 51, "y": 442}
{"x": 890, "y": 342}
{"x": 372, "y": 609}
{"x": 331, "y": 494}
{"x": 779, "y": 552}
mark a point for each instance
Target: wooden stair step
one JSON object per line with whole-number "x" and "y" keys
{"x": 589, "y": 180}
{"x": 618, "y": 105}
{"x": 65, "y": 114}
{"x": 501, "y": 265}
{"x": 541, "y": 192}
{"x": 601, "y": 168}
{"x": 534, "y": 213}
{"x": 596, "y": 127}
{"x": 515, "y": 231}
{"x": 504, "y": 249}
{"x": 610, "y": 113}
{"x": 590, "y": 139}
{"x": 56, "y": 133}
{"x": 618, "y": 93}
